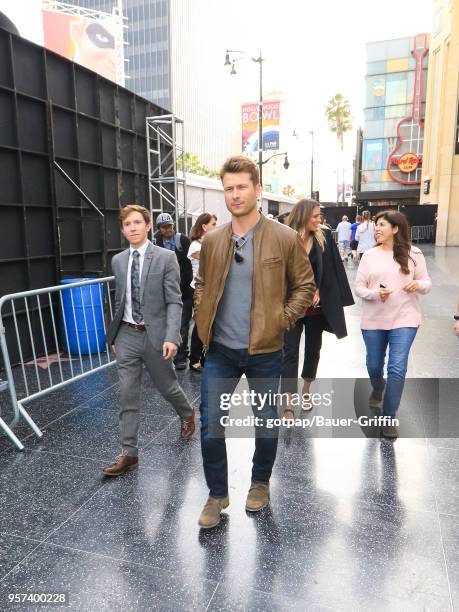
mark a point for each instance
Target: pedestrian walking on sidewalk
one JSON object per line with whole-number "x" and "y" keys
{"x": 203, "y": 224}
{"x": 354, "y": 243}
{"x": 254, "y": 282}
{"x": 343, "y": 230}
{"x": 365, "y": 234}
{"x": 327, "y": 310}
{"x": 145, "y": 330}
{"x": 167, "y": 237}
{"x": 389, "y": 280}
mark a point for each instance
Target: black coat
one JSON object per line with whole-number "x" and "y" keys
{"x": 186, "y": 270}
{"x": 332, "y": 283}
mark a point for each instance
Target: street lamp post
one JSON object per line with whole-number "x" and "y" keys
{"x": 286, "y": 163}
{"x": 312, "y": 164}
{"x": 311, "y": 132}
{"x": 259, "y": 60}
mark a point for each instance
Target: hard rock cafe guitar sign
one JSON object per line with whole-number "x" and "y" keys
{"x": 404, "y": 162}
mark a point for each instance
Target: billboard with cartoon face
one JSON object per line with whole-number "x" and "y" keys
{"x": 89, "y": 42}
{"x": 91, "y": 38}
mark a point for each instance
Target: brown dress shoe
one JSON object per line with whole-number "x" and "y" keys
{"x": 188, "y": 427}
{"x": 210, "y": 515}
{"x": 123, "y": 464}
{"x": 258, "y": 496}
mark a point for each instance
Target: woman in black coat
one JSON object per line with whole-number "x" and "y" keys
{"x": 327, "y": 310}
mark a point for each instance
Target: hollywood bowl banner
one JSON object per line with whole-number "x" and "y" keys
{"x": 271, "y": 123}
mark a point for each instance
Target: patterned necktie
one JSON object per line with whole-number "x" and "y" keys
{"x": 135, "y": 287}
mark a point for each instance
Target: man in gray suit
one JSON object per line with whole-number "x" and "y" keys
{"x": 145, "y": 330}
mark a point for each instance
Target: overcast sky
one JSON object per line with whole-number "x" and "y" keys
{"x": 315, "y": 49}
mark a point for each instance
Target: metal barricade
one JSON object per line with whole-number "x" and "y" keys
{"x": 422, "y": 232}
{"x": 36, "y": 310}
{"x": 418, "y": 232}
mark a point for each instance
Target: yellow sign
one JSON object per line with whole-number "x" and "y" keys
{"x": 408, "y": 162}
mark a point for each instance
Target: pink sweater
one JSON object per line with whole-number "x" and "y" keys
{"x": 401, "y": 309}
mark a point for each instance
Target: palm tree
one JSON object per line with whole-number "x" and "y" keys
{"x": 338, "y": 113}
{"x": 288, "y": 190}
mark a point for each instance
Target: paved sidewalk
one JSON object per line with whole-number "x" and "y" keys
{"x": 353, "y": 524}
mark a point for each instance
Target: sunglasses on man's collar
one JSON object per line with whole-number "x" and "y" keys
{"x": 238, "y": 245}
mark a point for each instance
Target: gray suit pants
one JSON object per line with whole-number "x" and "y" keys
{"x": 133, "y": 349}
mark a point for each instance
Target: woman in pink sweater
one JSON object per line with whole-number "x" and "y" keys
{"x": 389, "y": 278}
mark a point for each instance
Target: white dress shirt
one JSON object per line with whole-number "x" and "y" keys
{"x": 127, "y": 304}
{"x": 195, "y": 247}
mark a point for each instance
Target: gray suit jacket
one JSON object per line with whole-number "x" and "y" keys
{"x": 160, "y": 295}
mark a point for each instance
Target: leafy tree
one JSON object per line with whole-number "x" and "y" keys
{"x": 194, "y": 166}
{"x": 288, "y": 190}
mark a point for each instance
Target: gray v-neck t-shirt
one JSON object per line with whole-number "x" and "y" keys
{"x": 232, "y": 321}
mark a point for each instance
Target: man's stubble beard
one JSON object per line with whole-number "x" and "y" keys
{"x": 244, "y": 213}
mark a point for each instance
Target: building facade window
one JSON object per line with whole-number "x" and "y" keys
{"x": 376, "y": 90}
{"x": 376, "y": 68}
{"x": 397, "y": 87}
{"x": 438, "y": 21}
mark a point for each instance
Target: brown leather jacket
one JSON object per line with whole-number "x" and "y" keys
{"x": 283, "y": 283}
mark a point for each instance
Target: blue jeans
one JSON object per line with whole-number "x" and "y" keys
{"x": 222, "y": 371}
{"x": 399, "y": 341}
{"x": 343, "y": 247}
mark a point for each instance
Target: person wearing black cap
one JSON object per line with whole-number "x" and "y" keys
{"x": 167, "y": 238}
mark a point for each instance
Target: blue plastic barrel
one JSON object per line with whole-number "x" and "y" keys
{"x": 75, "y": 315}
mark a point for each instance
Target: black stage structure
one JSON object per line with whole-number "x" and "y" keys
{"x": 72, "y": 152}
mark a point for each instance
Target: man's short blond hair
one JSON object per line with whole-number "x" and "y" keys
{"x": 130, "y": 208}
{"x": 240, "y": 163}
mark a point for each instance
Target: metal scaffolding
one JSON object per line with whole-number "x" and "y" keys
{"x": 166, "y": 155}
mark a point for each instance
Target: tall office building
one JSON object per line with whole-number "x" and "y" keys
{"x": 147, "y": 49}
{"x": 390, "y": 165}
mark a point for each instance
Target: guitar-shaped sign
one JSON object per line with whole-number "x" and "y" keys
{"x": 404, "y": 162}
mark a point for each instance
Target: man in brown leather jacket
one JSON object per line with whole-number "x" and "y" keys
{"x": 254, "y": 282}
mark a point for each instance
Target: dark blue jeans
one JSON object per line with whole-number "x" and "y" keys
{"x": 399, "y": 341}
{"x": 222, "y": 371}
